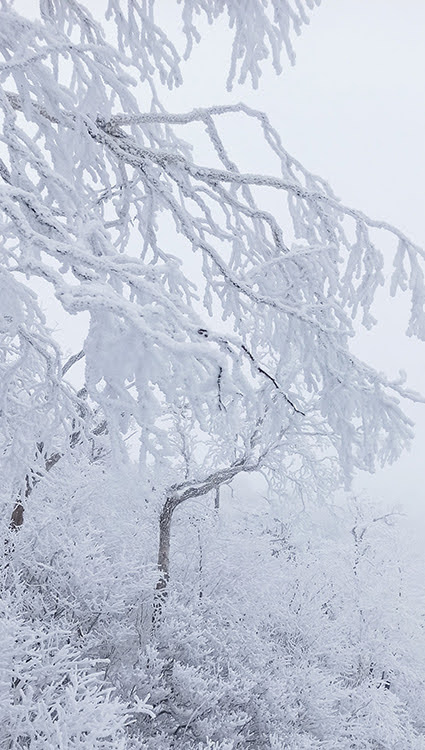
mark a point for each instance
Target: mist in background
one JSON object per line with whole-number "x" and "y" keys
{"x": 352, "y": 110}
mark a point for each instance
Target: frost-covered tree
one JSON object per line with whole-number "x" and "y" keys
{"x": 218, "y": 343}
{"x": 219, "y": 331}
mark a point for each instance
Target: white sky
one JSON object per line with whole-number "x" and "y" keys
{"x": 360, "y": 82}
{"x": 353, "y": 111}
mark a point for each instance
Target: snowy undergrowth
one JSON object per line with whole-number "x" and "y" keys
{"x": 269, "y": 638}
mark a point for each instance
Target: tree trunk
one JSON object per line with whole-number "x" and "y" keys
{"x": 17, "y": 517}
{"x": 181, "y": 492}
{"x": 31, "y": 479}
{"x": 163, "y": 558}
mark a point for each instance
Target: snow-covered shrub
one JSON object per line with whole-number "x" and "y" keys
{"x": 272, "y": 635}
{"x": 51, "y": 696}
{"x": 76, "y": 586}
{"x": 282, "y": 639}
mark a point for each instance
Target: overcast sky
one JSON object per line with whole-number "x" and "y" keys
{"x": 360, "y": 83}
{"x": 352, "y": 110}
